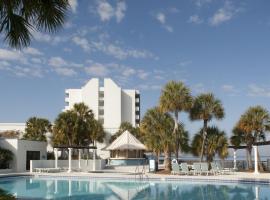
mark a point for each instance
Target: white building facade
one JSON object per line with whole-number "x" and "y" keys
{"x": 111, "y": 105}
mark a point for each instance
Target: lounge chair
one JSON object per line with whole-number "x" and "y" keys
{"x": 197, "y": 169}
{"x": 224, "y": 170}
{"x": 175, "y": 168}
{"x": 184, "y": 169}
{"x": 205, "y": 168}
{"x": 214, "y": 168}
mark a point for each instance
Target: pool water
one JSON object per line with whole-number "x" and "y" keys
{"x": 64, "y": 188}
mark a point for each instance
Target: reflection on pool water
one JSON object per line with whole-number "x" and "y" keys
{"x": 54, "y": 188}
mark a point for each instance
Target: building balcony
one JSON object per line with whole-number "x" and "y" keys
{"x": 137, "y": 108}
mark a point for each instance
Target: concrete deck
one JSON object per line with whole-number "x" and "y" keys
{"x": 236, "y": 177}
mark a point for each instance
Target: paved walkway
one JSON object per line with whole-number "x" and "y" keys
{"x": 237, "y": 176}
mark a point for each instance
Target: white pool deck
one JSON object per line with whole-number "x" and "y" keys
{"x": 235, "y": 177}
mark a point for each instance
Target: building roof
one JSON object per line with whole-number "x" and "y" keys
{"x": 126, "y": 141}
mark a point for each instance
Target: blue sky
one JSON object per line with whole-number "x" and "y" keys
{"x": 217, "y": 46}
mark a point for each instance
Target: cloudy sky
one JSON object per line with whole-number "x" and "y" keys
{"x": 217, "y": 46}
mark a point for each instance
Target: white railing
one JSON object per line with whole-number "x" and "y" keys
{"x": 86, "y": 165}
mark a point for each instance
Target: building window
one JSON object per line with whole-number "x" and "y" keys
{"x": 101, "y": 103}
{"x": 101, "y": 94}
{"x": 67, "y": 94}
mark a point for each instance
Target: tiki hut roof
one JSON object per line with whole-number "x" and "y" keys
{"x": 126, "y": 141}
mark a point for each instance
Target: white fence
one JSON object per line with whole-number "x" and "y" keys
{"x": 86, "y": 165}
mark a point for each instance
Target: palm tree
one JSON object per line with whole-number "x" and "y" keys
{"x": 18, "y": 18}
{"x": 175, "y": 97}
{"x": 255, "y": 123}
{"x": 64, "y": 129}
{"x": 84, "y": 122}
{"x": 97, "y": 133}
{"x": 156, "y": 128}
{"x": 126, "y": 126}
{"x": 36, "y": 128}
{"x": 240, "y": 137}
{"x": 206, "y": 107}
{"x": 216, "y": 141}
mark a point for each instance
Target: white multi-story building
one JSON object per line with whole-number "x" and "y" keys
{"x": 111, "y": 105}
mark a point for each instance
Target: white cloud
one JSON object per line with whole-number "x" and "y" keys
{"x": 200, "y": 3}
{"x": 161, "y": 18}
{"x": 230, "y": 89}
{"x": 10, "y": 55}
{"x": 185, "y": 63}
{"x": 32, "y": 51}
{"x": 106, "y": 11}
{"x": 73, "y": 5}
{"x": 62, "y": 67}
{"x": 195, "y": 19}
{"x": 258, "y": 91}
{"x": 82, "y": 42}
{"x": 224, "y": 14}
{"x": 142, "y": 74}
{"x": 150, "y": 87}
{"x": 199, "y": 88}
{"x": 121, "y": 53}
{"x": 37, "y": 60}
{"x": 128, "y": 72}
{"x": 65, "y": 71}
{"x": 44, "y": 37}
{"x": 57, "y": 62}
{"x": 97, "y": 69}
{"x": 121, "y": 7}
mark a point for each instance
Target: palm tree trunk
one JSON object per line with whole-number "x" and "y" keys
{"x": 259, "y": 161}
{"x": 204, "y": 138}
{"x": 167, "y": 158}
{"x": 175, "y": 133}
{"x": 249, "y": 157}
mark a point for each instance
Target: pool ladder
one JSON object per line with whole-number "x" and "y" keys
{"x": 141, "y": 174}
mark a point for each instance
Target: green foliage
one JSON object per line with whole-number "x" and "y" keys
{"x": 36, "y": 128}
{"x": 9, "y": 134}
{"x": 5, "y": 157}
{"x": 175, "y": 97}
{"x": 157, "y": 133}
{"x": 251, "y": 128}
{"x": 126, "y": 126}
{"x": 18, "y": 18}
{"x": 77, "y": 127}
{"x": 215, "y": 144}
{"x": 6, "y": 196}
{"x": 206, "y": 107}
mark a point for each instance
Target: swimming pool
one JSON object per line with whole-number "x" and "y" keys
{"x": 83, "y": 188}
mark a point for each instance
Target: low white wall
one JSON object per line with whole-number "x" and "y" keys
{"x": 86, "y": 165}
{"x": 4, "y": 171}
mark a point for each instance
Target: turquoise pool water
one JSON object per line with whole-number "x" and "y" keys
{"x": 61, "y": 188}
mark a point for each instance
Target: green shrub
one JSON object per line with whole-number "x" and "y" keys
{"x": 5, "y": 196}
{"x": 5, "y": 157}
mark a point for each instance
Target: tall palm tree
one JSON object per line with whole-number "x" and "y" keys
{"x": 84, "y": 122}
{"x": 175, "y": 97}
{"x": 19, "y": 17}
{"x": 206, "y": 107}
{"x": 156, "y": 128}
{"x": 217, "y": 143}
{"x": 97, "y": 133}
{"x": 64, "y": 129}
{"x": 240, "y": 137}
{"x": 36, "y": 128}
{"x": 255, "y": 123}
